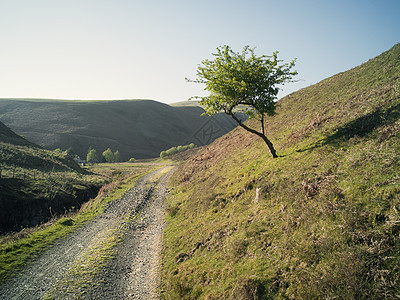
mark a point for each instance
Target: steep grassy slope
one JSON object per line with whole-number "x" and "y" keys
{"x": 321, "y": 221}
{"x": 36, "y": 184}
{"x": 137, "y": 128}
{"x": 8, "y": 136}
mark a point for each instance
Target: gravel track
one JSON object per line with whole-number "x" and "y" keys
{"x": 132, "y": 274}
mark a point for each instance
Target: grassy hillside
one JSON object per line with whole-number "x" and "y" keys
{"x": 322, "y": 221}
{"x": 8, "y": 136}
{"x": 137, "y": 128}
{"x": 37, "y": 184}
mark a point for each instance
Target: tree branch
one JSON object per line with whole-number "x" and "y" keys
{"x": 244, "y": 126}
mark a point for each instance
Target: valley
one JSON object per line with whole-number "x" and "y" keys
{"x": 221, "y": 221}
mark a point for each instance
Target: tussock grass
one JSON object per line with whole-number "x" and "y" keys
{"x": 327, "y": 221}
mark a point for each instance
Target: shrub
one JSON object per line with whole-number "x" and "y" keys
{"x": 174, "y": 150}
{"x": 58, "y": 151}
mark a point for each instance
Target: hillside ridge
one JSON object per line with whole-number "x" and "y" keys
{"x": 137, "y": 128}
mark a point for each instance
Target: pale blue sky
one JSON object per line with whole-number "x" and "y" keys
{"x": 128, "y": 49}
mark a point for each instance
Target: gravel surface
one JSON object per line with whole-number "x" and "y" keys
{"x": 132, "y": 274}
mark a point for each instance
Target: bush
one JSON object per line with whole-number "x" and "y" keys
{"x": 132, "y": 160}
{"x": 108, "y": 155}
{"x": 174, "y": 150}
{"x": 58, "y": 151}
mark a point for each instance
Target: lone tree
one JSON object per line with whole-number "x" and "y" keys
{"x": 243, "y": 82}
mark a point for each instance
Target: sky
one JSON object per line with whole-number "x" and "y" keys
{"x": 129, "y": 49}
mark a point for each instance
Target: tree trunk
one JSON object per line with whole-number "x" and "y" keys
{"x": 261, "y": 135}
{"x": 270, "y": 146}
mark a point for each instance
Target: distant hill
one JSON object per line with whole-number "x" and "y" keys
{"x": 322, "y": 221}
{"x": 137, "y": 128}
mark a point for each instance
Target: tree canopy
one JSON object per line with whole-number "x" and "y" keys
{"x": 243, "y": 82}
{"x": 108, "y": 155}
{"x": 112, "y": 157}
{"x": 91, "y": 155}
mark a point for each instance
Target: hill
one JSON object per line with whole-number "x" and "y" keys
{"x": 137, "y": 128}
{"x": 37, "y": 184}
{"x": 320, "y": 221}
{"x": 8, "y": 136}
{"x": 187, "y": 103}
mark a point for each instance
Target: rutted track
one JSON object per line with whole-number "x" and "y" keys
{"x": 132, "y": 274}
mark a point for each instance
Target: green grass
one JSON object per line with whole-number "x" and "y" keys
{"x": 90, "y": 262}
{"x": 81, "y": 273}
{"x": 327, "y": 221}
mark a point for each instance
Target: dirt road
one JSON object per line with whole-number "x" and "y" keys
{"x": 69, "y": 270}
